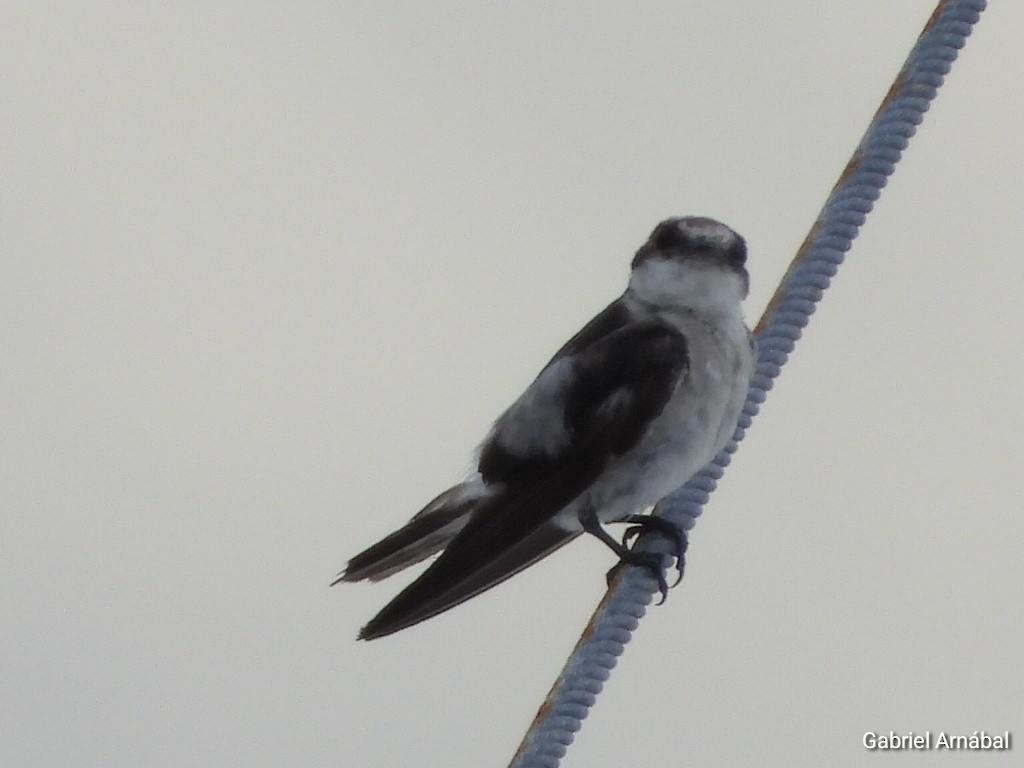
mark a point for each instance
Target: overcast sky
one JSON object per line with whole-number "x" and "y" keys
{"x": 270, "y": 271}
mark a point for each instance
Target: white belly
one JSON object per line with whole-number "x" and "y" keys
{"x": 693, "y": 427}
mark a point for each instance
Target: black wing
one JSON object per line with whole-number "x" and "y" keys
{"x": 606, "y": 388}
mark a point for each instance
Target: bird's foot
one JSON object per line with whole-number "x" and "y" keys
{"x": 676, "y": 536}
{"x": 652, "y": 561}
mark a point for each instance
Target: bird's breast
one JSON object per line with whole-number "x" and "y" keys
{"x": 694, "y": 426}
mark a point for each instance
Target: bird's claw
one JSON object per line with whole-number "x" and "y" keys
{"x": 676, "y": 536}
{"x": 652, "y": 561}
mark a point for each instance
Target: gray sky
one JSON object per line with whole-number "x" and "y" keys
{"x": 270, "y": 272}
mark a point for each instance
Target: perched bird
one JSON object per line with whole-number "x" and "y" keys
{"x": 646, "y": 394}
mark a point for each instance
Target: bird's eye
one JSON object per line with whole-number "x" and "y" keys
{"x": 738, "y": 252}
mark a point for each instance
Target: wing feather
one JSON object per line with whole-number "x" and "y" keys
{"x": 609, "y": 387}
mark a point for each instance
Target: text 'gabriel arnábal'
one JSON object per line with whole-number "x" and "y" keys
{"x": 977, "y": 741}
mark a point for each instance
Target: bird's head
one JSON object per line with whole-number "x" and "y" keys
{"x": 692, "y": 262}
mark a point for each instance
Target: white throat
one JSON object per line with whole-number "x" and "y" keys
{"x": 703, "y": 287}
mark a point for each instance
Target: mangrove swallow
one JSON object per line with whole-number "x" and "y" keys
{"x": 633, "y": 405}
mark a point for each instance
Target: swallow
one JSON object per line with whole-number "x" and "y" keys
{"x": 631, "y": 407}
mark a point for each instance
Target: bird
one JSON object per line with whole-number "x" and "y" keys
{"x": 631, "y": 407}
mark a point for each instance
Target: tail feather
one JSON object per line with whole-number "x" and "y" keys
{"x": 435, "y": 592}
{"x": 427, "y": 533}
{"x": 507, "y": 533}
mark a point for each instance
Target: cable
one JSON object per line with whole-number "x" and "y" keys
{"x": 788, "y": 311}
